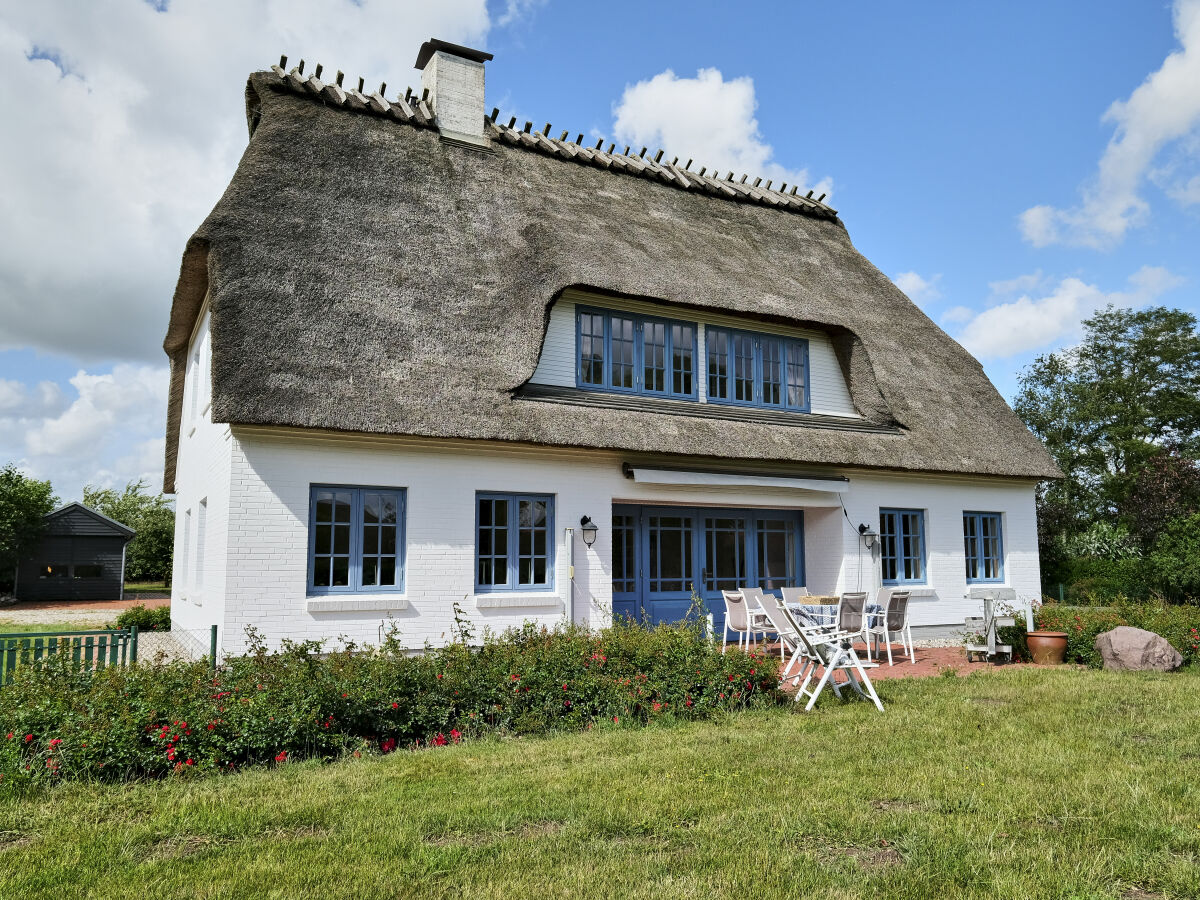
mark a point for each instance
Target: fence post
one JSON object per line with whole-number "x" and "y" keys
{"x": 212, "y": 650}
{"x": 133, "y": 635}
{"x": 1060, "y": 592}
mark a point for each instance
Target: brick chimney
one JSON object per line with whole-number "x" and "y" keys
{"x": 453, "y": 75}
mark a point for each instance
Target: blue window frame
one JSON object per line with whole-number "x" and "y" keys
{"x": 514, "y": 542}
{"x": 902, "y": 545}
{"x": 749, "y": 369}
{"x": 617, "y": 351}
{"x": 984, "y": 547}
{"x": 355, "y": 539}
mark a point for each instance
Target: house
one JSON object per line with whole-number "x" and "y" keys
{"x": 423, "y": 358}
{"x": 81, "y": 556}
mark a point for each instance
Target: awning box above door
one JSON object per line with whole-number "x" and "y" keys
{"x": 826, "y": 484}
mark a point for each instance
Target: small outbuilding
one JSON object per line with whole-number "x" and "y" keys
{"x": 81, "y": 556}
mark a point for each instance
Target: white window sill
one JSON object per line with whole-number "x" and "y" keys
{"x": 370, "y": 602}
{"x": 502, "y": 600}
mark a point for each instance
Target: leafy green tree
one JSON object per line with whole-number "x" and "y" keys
{"x": 24, "y": 502}
{"x": 1106, "y": 407}
{"x": 148, "y": 556}
{"x": 1167, "y": 488}
{"x": 1175, "y": 560}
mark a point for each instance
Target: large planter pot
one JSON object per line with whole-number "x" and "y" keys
{"x": 1047, "y": 647}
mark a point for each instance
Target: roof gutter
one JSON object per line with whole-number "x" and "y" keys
{"x": 830, "y": 484}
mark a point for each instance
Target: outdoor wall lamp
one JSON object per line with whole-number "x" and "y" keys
{"x": 868, "y": 535}
{"x": 589, "y": 530}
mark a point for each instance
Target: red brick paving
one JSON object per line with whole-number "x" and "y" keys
{"x": 150, "y": 600}
{"x": 929, "y": 661}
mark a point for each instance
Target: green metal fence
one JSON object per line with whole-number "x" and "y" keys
{"x": 87, "y": 649}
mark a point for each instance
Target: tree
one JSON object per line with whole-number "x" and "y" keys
{"x": 148, "y": 556}
{"x": 24, "y": 502}
{"x": 1105, "y": 408}
{"x": 1167, "y": 488}
{"x": 1175, "y": 561}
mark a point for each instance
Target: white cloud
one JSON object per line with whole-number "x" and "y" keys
{"x": 1164, "y": 109}
{"x": 1034, "y": 323}
{"x": 109, "y": 433}
{"x": 707, "y": 119}
{"x": 919, "y": 290}
{"x": 123, "y": 124}
{"x": 1029, "y": 282}
{"x": 956, "y": 315}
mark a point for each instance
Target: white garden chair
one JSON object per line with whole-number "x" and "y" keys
{"x": 852, "y": 614}
{"x": 738, "y": 619}
{"x": 825, "y": 654}
{"x": 785, "y": 626}
{"x": 891, "y": 622}
{"x": 755, "y": 603}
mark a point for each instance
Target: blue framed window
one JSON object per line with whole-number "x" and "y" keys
{"x": 619, "y": 351}
{"x": 514, "y": 542}
{"x": 355, "y": 539}
{"x": 984, "y": 547}
{"x": 902, "y": 545}
{"x": 761, "y": 370}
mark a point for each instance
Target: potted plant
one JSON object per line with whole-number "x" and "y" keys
{"x": 1047, "y": 648}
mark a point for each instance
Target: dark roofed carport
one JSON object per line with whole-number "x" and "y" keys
{"x": 81, "y": 556}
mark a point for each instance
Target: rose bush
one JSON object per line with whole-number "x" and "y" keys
{"x": 302, "y": 702}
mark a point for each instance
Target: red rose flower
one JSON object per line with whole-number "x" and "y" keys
{"x": 281, "y": 756}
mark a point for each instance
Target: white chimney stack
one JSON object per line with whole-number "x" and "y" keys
{"x": 453, "y": 75}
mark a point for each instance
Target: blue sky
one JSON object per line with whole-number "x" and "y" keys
{"x": 1012, "y": 166}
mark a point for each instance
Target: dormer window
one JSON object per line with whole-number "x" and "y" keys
{"x": 618, "y": 351}
{"x": 757, "y": 369}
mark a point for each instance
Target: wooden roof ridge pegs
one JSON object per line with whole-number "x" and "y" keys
{"x": 626, "y": 153}
{"x": 702, "y": 170}
{"x": 340, "y": 78}
{"x": 495, "y": 113}
{"x": 643, "y": 153}
{"x": 382, "y": 88}
{"x": 599, "y": 143}
{"x": 407, "y": 94}
{"x": 512, "y": 120}
{"x": 361, "y": 83}
{"x": 688, "y": 165}
{"x": 809, "y": 194}
{"x": 729, "y": 177}
{"x": 563, "y": 137}
{"x": 611, "y": 147}
{"x": 794, "y": 189}
{"x": 658, "y": 156}
{"x": 425, "y": 95}
{"x": 283, "y": 61}
{"x": 300, "y": 68}
{"x": 757, "y": 181}
{"x": 528, "y": 126}
{"x": 743, "y": 181}
{"x": 768, "y": 184}
{"x": 546, "y": 130}
{"x": 579, "y": 140}
{"x": 317, "y": 71}
{"x": 821, "y": 198}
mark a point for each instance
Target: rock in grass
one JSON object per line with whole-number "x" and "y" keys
{"x": 1136, "y": 650}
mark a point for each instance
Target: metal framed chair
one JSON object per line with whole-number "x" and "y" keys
{"x": 826, "y": 654}
{"x": 852, "y": 614}
{"x": 785, "y": 626}
{"x": 891, "y": 621}
{"x": 755, "y": 609}
{"x": 738, "y": 619}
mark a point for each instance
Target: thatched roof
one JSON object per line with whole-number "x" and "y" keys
{"x": 367, "y": 276}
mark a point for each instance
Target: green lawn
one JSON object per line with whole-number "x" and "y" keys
{"x": 1017, "y": 783}
{"x": 15, "y": 628}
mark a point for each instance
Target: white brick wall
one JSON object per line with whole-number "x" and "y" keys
{"x": 830, "y": 396}
{"x": 271, "y": 472}
{"x": 203, "y": 472}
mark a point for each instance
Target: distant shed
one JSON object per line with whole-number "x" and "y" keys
{"x": 81, "y": 556}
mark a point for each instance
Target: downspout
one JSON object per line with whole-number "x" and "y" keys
{"x": 123, "y": 548}
{"x": 569, "y": 536}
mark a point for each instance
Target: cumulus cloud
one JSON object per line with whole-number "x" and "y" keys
{"x": 1163, "y": 110}
{"x": 107, "y": 431}
{"x": 1028, "y": 323}
{"x": 920, "y": 290}
{"x": 707, "y": 119}
{"x": 123, "y": 123}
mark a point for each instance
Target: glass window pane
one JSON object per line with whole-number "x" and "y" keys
{"x": 368, "y": 571}
{"x": 743, "y": 368}
{"x": 622, "y": 352}
{"x": 682, "y": 362}
{"x": 342, "y": 506}
{"x": 772, "y": 371}
{"x": 591, "y": 348}
{"x": 371, "y": 504}
{"x": 321, "y": 568}
{"x": 341, "y": 538}
{"x": 387, "y": 571}
{"x": 371, "y": 539}
{"x": 387, "y": 540}
{"x": 717, "y": 351}
{"x": 324, "y": 539}
{"x": 654, "y": 356}
{"x": 796, "y": 392}
{"x": 389, "y": 508}
{"x": 341, "y": 571}
{"x": 324, "y": 508}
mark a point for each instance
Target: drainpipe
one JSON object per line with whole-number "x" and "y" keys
{"x": 569, "y": 536}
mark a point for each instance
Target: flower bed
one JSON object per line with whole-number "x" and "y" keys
{"x": 267, "y": 708}
{"x": 1180, "y": 625}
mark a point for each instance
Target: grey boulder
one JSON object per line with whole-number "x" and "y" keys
{"x": 1136, "y": 650}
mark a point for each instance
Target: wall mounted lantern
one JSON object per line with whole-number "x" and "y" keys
{"x": 589, "y": 530}
{"x": 868, "y": 535}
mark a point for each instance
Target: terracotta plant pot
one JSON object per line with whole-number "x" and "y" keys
{"x": 1047, "y": 647}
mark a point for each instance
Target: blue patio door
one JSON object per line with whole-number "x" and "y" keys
{"x": 661, "y": 553}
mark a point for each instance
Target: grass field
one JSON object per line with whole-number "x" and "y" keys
{"x": 1017, "y": 783}
{"x": 26, "y": 628}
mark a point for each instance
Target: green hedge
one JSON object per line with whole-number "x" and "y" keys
{"x": 1180, "y": 625}
{"x": 155, "y": 619}
{"x": 158, "y": 720}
